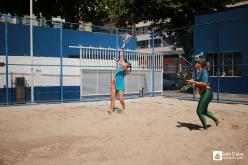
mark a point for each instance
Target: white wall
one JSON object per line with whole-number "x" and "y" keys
{"x": 47, "y": 69}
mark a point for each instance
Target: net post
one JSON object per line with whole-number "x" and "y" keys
{"x": 193, "y": 75}
{"x": 117, "y": 45}
{"x": 31, "y": 49}
{"x": 153, "y": 62}
{"x": 6, "y": 62}
{"x": 80, "y": 71}
{"x": 218, "y": 77}
{"x": 61, "y": 63}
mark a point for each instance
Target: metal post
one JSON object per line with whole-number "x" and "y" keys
{"x": 61, "y": 63}
{"x": 117, "y": 45}
{"x": 218, "y": 65}
{"x": 80, "y": 72}
{"x": 177, "y": 67}
{"x": 162, "y": 70}
{"x": 218, "y": 77}
{"x": 180, "y": 65}
{"x": 31, "y": 50}
{"x": 126, "y": 84}
{"x": 153, "y": 60}
{"x": 6, "y": 61}
{"x": 194, "y": 75}
{"x": 97, "y": 81}
{"x": 11, "y": 87}
{"x": 139, "y": 79}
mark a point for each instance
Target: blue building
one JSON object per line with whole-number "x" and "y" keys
{"x": 47, "y": 40}
{"x": 223, "y": 37}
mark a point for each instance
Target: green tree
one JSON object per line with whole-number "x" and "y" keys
{"x": 166, "y": 14}
{"x": 72, "y": 10}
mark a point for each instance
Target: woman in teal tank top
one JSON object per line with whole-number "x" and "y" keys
{"x": 117, "y": 85}
{"x": 119, "y": 79}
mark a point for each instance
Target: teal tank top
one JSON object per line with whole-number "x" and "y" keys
{"x": 120, "y": 73}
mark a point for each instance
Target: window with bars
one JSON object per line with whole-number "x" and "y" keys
{"x": 142, "y": 30}
{"x": 157, "y": 42}
{"x": 143, "y": 44}
{"x": 229, "y": 62}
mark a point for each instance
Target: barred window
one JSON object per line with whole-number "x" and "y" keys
{"x": 157, "y": 42}
{"x": 143, "y": 44}
{"x": 229, "y": 62}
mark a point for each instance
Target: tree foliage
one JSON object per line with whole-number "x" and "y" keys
{"x": 72, "y": 10}
{"x": 165, "y": 15}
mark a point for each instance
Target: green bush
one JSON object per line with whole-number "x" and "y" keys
{"x": 186, "y": 89}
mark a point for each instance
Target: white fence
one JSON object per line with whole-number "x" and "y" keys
{"x": 97, "y": 69}
{"x": 86, "y": 74}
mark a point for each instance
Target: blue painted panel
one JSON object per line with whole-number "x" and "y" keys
{"x": 229, "y": 84}
{"x": 47, "y": 40}
{"x": 229, "y": 34}
{"x": 43, "y": 94}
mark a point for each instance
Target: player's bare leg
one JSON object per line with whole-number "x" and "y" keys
{"x": 121, "y": 98}
{"x": 112, "y": 105}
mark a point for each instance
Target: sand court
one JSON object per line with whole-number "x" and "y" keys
{"x": 154, "y": 130}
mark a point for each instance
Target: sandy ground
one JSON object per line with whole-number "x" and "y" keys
{"x": 153, "y": 131}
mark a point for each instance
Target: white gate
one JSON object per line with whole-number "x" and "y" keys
{"x": 97, "y": 68}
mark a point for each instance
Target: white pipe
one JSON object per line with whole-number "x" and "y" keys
{"x": 31, "y": 50}
{"x": 80, "y": 73}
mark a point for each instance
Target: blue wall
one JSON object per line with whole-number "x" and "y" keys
{"x": 47, "y": 40}
{"x": 43, "y": 94}
{"x": 229, "y": 34}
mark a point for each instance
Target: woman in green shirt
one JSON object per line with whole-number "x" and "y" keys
{"x": 205, "y": 91}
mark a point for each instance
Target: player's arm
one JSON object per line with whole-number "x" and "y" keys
{"x": 197, "y": 83}
{"x": 121, "y": 56}
{"x": 203, "y": 82}
{"x": 120, "y": 61}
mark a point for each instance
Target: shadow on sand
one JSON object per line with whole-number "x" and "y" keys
{"x": 190, "y": 126}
